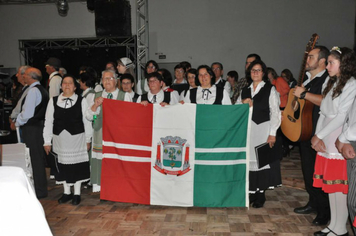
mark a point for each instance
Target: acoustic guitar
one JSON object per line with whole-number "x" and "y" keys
{"x": 297, "y": 122}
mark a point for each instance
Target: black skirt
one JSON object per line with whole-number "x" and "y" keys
{"x": 265, "y": 179}
{"x": 71, "y": 173}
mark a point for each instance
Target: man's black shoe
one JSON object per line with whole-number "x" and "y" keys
{"x": 305, "y": 210}
{"x": 321, "y": 220}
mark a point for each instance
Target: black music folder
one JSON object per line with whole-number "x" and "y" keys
{"x": 265, "y": 155}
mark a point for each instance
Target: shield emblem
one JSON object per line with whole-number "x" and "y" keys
{"x": 172, "y": 155}
{"x": 170, "y": 159}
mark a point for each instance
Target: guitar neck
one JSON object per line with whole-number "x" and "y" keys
{"x": 302, "y": 69}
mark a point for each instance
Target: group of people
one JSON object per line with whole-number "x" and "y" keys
{"x": 67, "y": 123}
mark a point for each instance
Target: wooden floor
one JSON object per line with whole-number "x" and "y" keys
{"x": 95, "y": 217}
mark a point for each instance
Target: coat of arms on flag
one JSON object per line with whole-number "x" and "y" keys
{"x": 170, "y": 153}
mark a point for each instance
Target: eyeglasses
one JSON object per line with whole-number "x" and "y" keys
{"x": 151, "y": 67}
{"x": 151, "y": 81}
{"x": 179, "y": 71}
{"x": 256, "y": 71}
{"x": 108, "y": 78}
{"x": 217, "y": 68}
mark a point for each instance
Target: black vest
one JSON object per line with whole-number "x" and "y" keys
{"x": 218, "y": 98}
{"x": 221, "y": 83}
{"x": 261, "y": 112}
{"x": 166, "y": 99}
{"x": 70, "y": 119}
{"x": 40, "y": 110}
{"x": 315, "y": 86}
{"x": 135, "y": 97}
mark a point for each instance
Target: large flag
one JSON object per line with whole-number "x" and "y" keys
{"x": 181, "y": 155}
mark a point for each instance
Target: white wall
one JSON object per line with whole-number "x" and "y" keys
{"x": 199, "y": 31}
{"x": 228, "y": 30}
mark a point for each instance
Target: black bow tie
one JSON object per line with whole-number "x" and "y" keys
{"x": 205, "y": 93}
{"x": 67, "y": 100}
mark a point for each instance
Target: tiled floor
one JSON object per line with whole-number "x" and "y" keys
{"x": 95, "y": 217}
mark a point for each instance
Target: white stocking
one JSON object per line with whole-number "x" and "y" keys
{"x": 77, "y": 186}
{"x": 66, "y": 189}
{"x": 341, "y": 214}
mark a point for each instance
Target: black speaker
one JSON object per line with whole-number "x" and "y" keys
{"x": 112, "y": 17}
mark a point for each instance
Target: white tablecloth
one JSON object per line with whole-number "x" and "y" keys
{"x": 20, "y": 211}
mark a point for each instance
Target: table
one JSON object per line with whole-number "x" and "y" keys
{"x": 21, "y": 213}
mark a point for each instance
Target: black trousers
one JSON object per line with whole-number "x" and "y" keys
{"x": 351, "y": 196}
{"x": 318, "y": 199}
{"x": 33, "y": 138}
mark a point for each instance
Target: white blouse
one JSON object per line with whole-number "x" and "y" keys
{"x": 160, "y": 97}
{"x": 48, "y": 128}
{"x": 274, "y": 102}
{"x": 208, "y": 96}
{"x": 90, "y": 96}
{"x": 336, "y": 108}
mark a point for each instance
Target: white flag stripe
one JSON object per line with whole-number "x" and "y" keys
{"x": 127, "y": 158}
{"x": 127, "y": 146}
{"x": 217, "y": 150}
{"x": 220, "y": 163}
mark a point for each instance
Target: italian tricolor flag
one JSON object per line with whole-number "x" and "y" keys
{"x": 180, "y": 155}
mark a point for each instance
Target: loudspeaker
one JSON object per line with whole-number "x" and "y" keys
{"x": 112, "y": 17}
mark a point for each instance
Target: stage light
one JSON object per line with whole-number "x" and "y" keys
{"x": 63, "y": 7}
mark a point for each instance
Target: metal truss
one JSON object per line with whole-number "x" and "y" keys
{"x": 142, "y": 33}
{"x": 27, "y": 46}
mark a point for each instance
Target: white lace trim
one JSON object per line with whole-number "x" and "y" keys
{"x": 72, "y": 184}
{"x": 334, "y": 156}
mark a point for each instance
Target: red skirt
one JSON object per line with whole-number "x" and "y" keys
{"x": 330, "y": 174}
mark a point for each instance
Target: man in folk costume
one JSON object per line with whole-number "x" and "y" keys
{"x": 95, "y": 114}
{"x": 31, "y": 121}
{"x": 311, "y": 91}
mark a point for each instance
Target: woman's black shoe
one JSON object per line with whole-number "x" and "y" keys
{"x": 257, "y": 205}
{"x": 320, "y": 233}
{"x": 65, "y": 198}
{"x": 76, "y": 200}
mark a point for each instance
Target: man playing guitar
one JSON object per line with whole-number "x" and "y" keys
{"x": 311, "y": 91}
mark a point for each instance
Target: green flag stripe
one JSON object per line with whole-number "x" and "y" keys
{"x": 220, "y": 186}
{"x": 220, "y": 163}
{"x": 220, "y": 156}
{"x": 221, "y": 126}
{"x": 220, "y": 149}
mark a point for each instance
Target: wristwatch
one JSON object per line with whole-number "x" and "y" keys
{"x": 302, "y": 95}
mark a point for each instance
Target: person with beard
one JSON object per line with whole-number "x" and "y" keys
{"x": 311, "y": 91}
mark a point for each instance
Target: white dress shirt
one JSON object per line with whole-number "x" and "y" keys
{"x": 33, "y": 99}
{"x": 54, "y": 84}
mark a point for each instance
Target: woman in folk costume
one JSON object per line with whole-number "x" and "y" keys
{"x": 339, "y": 91}
{"x": 71, "y": 134}
{"x": 266, "y": 119}
{"x": 207, "y": 92}
{"x": 94, "y": 113}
